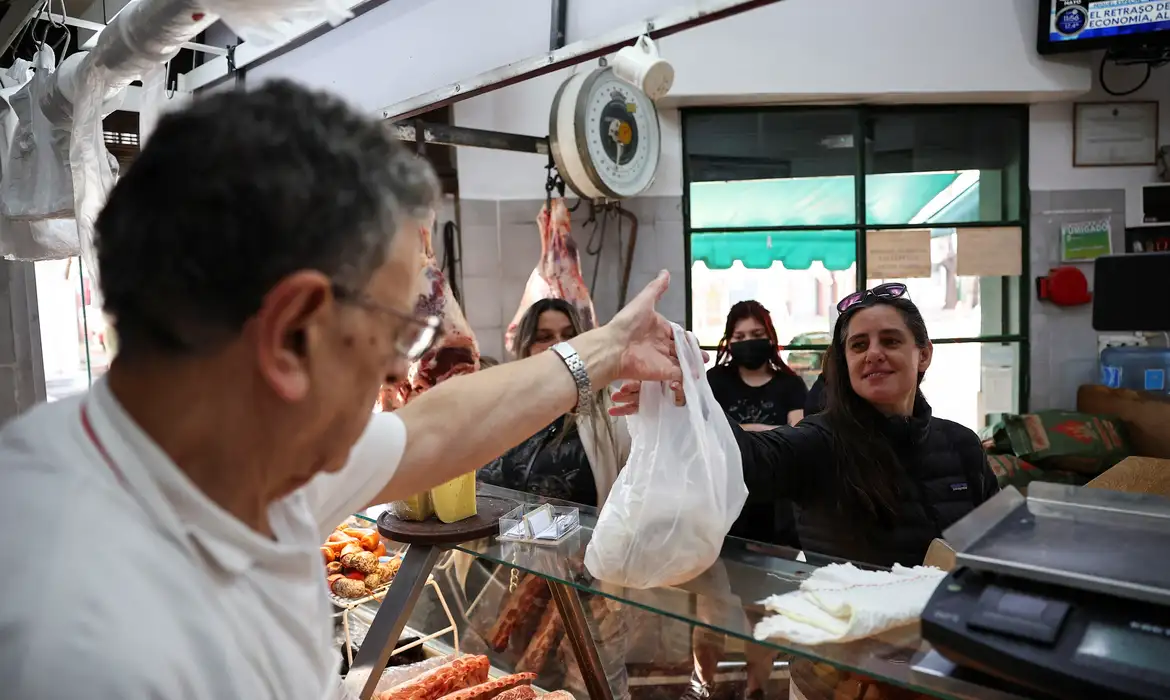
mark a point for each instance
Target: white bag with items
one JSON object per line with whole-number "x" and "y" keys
{"x": 681, "y": 490}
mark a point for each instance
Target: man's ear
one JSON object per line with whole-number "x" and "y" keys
{"x": 925, "y": 355}
{"x": 287, "y": 328}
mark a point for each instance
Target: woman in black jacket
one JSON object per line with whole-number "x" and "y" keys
{"x": 875, "y": 476}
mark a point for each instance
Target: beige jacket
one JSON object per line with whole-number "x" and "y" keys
{"x": 607, "y": 455}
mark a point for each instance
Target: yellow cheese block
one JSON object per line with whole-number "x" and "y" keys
{"x": 455, "y": 500}
{"x": 416, "y": 508}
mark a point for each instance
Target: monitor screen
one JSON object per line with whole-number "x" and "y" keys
{"x": 1085, "y": 25}
{"x": 1129, "y": 293}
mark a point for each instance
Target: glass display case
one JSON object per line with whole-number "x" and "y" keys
{"x": 535, "y": 607}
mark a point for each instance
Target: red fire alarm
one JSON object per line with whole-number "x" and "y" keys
{"x": 1064, "y": 286}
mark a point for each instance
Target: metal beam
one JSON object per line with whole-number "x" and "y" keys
{"x": 447, "y": 135}
{"x": 20, "y": 12}
{"x": 578, "y": 52}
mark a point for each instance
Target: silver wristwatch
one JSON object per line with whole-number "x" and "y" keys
{"x": 580, "y": 376}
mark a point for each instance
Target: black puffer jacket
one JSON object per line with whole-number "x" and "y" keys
{"x": 945, "y": 475}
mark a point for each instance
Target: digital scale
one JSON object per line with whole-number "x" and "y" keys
{"x": 1065, "y": 593}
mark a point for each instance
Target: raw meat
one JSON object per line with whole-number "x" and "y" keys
{"x": 486, "y": 691}
{"x": 524, "y": 692}
{"x": 558, "y": 274}
{"x": 544, "y": 640}
{"x": 449, "y": 678}
{"x": 455, "y": 352}
{"x": 532, "y": 593}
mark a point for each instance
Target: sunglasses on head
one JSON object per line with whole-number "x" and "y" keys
{"x": 889, "y": 290}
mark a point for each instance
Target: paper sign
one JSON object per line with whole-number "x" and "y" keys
{"x": 989, "y": 252}
{"x": 891, "y": 255}
{"x": 1085, "y": 241}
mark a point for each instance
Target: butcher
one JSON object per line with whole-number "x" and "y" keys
{"x": 161, "y": 532}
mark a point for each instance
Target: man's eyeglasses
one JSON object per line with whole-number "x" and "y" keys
{"x": 414, "y": 338}
{"x": 889, "y": 290}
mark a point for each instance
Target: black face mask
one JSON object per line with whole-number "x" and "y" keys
{"x": 751, "y": 354}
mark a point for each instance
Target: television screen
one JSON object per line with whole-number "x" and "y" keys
{"x": 1086, "y": 25}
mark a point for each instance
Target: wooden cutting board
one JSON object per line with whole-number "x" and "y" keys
{"x": 1136, "y": 475}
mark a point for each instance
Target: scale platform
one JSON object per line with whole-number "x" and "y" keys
{"x": 1065, "y": 593}
{"x": 1091, "y": 539}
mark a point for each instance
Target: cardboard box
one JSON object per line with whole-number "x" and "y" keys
{"x": 1144, "y": 414}
{"x": 1136, "y": 475}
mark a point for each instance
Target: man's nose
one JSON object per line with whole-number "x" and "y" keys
{"x": 396, "y": 372}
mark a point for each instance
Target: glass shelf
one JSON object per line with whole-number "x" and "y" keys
{"x": 725, "y": 600}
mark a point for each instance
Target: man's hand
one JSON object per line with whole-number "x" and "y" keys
{"x": 638, "y": 344}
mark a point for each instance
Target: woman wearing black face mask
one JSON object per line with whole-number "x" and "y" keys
{"x": 760, "y": 392}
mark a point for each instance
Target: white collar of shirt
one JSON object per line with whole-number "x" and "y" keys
{"x": 170, "y": 499}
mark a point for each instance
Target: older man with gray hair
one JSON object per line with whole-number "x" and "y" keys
{"x": 259, "y": 260}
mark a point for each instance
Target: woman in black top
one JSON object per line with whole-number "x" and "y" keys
{"x": 876, "y": 476}
{"x": 759, "y": 392}
{"x": 575, "y": 458}
{"x": 750, "y": 381}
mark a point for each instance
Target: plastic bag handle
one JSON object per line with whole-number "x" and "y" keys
{"x": 690, "y": 360}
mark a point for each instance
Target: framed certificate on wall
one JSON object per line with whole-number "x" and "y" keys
{"x": 1110, "y": 134}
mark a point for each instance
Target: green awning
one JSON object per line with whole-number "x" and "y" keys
{"x": 813, "y": 201}
{"x": 796, "y": 250}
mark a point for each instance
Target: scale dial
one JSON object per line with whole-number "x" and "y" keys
{"x": 604, "y": 136}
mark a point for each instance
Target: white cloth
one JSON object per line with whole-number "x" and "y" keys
{"x": 840, "y": 602}
{"x": 144, "y": 588}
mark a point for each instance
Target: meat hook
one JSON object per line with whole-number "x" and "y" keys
{"x": 624, "y": 292}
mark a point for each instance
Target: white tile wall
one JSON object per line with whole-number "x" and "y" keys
{"x": 501, "y": 246}
{"x": 1064, "y": 344}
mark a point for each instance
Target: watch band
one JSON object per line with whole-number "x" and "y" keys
{"x": 576, "y": 368}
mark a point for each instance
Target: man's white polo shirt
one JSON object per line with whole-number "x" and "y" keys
{"x": 119, "y": 579}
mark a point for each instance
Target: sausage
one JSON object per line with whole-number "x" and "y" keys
{"x": 451, "y": 677}
{"x": 489, "y": 690}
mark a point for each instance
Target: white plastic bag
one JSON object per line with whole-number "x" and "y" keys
{"x": 681, "y": 490}
{"x": 37, "y": 183}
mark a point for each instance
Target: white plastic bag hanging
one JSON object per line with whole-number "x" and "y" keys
{"x": 37, "y": 181}
{"x": 681, "y": 490}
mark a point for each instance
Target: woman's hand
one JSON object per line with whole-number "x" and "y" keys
{"x": 757, "y": 427}
{"x": 627, "y": 397}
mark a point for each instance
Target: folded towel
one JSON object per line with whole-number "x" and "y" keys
{"x": 840, "y": 602}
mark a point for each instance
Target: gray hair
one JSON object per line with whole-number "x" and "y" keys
{"x": 238, "y": 191}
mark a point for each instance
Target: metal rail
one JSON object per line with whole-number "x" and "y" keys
{"x": 447, "y": 135}
{"x": 20, "y": 13}
{"x": 694, "y": 15}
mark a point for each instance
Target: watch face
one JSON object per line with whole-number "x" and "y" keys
{"x": 621, "y": 136}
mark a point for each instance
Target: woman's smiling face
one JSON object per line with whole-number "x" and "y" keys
{"x": 884, "y": 361}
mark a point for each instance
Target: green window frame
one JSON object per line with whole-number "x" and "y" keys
{"x": 716, "y": 241}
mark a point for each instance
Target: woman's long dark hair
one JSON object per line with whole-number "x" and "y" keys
{"x": 526, "y": 330}
{"x": 750, "y": 309}
{"x": 522, "y": 347}
{"x": 864, "y": 458}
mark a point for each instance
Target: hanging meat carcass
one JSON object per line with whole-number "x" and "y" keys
{"x": 454, "y": 353}
{"x": 558, "y": 274}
